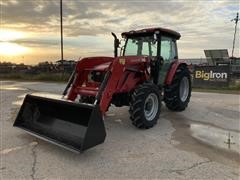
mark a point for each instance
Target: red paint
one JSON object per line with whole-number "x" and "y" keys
{"x": 121, "y": 79}
{"x": 84, "y": 66}
{"x": 173, "y": 70}
{"x": 177, "y": 35}
{"x": 126, "y": 73}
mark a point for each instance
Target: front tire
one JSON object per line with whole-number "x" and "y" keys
{"x": 145, "y": 105}
{"x": 177, "y": 95}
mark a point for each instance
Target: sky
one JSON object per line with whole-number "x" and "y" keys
{"x": 30, "y": 29}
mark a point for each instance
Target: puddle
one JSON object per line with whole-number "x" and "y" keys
{"x": 20, "y": 101}
{"x": 22, "y": 96}
{"x": 17, "y": 103}
{"x": 118, "y": 121}
{"x": 206, "y": 140}
{"x": 224, "y": 139}
{"x": 225, "y": 112}
{"x": 110, "y": 114}
{"x": 12, "y": 88}
{"x": 48, "y": 95}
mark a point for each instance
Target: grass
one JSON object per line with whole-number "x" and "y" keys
{"x": 59, "y": 77}
{"x": 46, "y": 77}
{"x": 225, "y": 90}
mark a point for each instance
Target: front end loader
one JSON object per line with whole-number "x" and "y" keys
{"x": 146, "y": 72}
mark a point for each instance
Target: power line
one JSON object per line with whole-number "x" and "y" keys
{"x": 61, "y": 27}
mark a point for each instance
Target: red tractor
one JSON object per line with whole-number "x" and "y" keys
{"x": 146, "y": 72}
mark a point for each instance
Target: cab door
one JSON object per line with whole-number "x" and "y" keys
{"x": 168, "y": 53}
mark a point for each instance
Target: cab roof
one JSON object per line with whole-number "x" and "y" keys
{"x": 150, "y": 31}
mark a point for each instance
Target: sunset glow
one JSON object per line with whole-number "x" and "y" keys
{"x": 12, "y": 49}
{"x": 7, "y": 45}
{"x": 10, "y": 35}
{"x": 31, "y": 29}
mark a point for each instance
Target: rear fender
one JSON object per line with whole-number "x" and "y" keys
{"x": 172, "y": 71}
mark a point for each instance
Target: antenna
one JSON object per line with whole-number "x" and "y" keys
{"x": 236, "y": 19}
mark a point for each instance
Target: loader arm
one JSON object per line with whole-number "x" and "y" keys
{"x": 122, "y": 75}
{"x": 116, "y": 71}
{"x": 82, "y": 73}
{"x": 120, "y": 79}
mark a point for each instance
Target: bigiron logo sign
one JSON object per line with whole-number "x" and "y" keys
{"x": 201, "y": 74}
{"x": 211, "y": 76}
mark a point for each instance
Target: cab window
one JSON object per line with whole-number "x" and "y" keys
{"x": 138, "y": 46}
{"x": 168, "y": 48}
{"x": 145, "y": 48}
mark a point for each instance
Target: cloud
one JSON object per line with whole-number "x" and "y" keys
{"x": 37, "y": 42}
{"x": 203, "y": 24}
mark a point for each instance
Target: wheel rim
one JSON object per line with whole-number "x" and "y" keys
{"x": 184, "y": 89}
{"x": 151, "y": 106}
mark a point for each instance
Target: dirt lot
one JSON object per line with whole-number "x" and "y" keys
{"x": 202, "y": 142}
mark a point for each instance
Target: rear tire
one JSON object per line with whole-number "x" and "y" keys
{"x": 177, "y": 95}
{"x": 145, "y": 105}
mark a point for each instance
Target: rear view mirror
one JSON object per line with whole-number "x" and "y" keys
{"x": 116, "y": 44}
{"x": 155, "y": 36}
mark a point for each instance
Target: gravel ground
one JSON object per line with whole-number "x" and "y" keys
{"x": 187, "y": 145}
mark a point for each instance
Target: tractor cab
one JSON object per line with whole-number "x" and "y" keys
{"x": 157, "y": 43}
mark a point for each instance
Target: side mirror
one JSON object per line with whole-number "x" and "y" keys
{"x": 155, "y": 38}
{"x": 116, "y": 44}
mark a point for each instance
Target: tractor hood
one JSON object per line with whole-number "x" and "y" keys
{"x": 102, "y": 63}
{"x": 98, "y": 63}
{"x": 98, "y": 58}
{"x": 134, "y": 59}
{"x": 102, "y": 67}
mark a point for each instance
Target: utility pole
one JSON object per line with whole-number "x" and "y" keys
{"x": 234, "y": 37}
{"x": 61, "y": 27}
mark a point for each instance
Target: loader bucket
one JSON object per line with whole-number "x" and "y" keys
{"x": 74, "y": 126}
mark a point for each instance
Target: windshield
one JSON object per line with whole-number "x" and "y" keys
{"x": 139, "y": 46}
